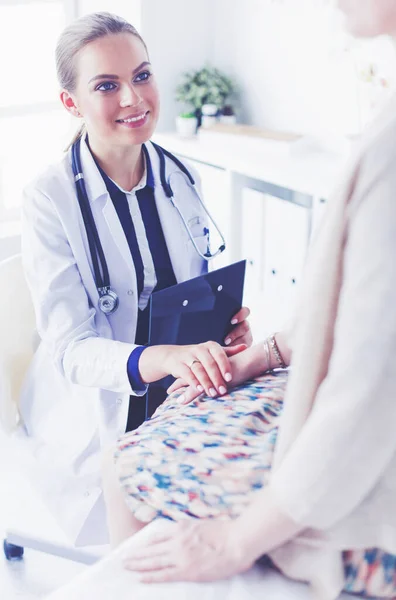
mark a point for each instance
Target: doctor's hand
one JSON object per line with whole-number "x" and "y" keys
{"x": 192, "y": 391}
{"x": 193, "y": 550}
{"x": 206, "y": 367}
{"x": 240, "y": 333}
{"x": 245, "y": 365}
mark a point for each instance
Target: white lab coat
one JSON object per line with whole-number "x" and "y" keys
{"x": 76, "y": 395}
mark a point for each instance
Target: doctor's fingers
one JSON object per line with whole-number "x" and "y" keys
{"x": 241, "y": 315}
{"x": 187, "y": 375}
{"x": 212, "y": 367}
{"x": 176, "y": 385}
{"x": 241, "y": 334}
{"x": 189, "y": 394}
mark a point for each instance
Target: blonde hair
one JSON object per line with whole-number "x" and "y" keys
{"x": 75, "y": 37}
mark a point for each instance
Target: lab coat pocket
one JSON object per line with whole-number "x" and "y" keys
{"x": 196, "y": 226}
{"x": 201, "y": 241}
{"x": 198, "y": 265}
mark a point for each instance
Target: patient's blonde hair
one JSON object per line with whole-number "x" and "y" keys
{"x": 79, "y": 34}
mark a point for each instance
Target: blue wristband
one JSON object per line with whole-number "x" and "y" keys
{"x": 133, "y": 370}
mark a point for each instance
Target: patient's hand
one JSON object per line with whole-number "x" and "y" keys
{"x": 193, "y": 550}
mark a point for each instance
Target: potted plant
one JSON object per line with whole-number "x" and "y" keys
{"x": 186, "y": 124}
{"x": 205, "y": 86}
{"x": 228, "y": 116}
{"x": 209, "y": 114}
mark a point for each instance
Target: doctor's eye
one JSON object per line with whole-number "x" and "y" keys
{"x": 142, "y": 77}
{"x": 106, "y": 86}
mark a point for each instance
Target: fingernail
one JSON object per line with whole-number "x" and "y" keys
{"x": 228, "y": 376}
{"x": 234, "y": 321}
{"x": 227, "y": 341}
{"x": 212, "y": 392}
{"x": 199, "y": 388}
{"x": 222, "y": 389}
{"x": 182, "y": 398}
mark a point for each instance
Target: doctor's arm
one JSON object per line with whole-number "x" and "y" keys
{"x": 205, "y": 367}
{"x": 65, "y": 318}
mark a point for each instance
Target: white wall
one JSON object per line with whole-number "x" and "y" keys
{"x": 288, "y": 57}
{"x": 292, "y": 64}
{"x": 9, "y": 245}
{"x": 179, "y": 35}
{"x": 128, "y": 9}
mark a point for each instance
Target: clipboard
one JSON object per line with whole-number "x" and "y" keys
{"x": 197, "y": 310}
{"x": 193, "y": 312}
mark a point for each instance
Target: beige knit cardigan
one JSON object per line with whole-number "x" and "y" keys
{"x": 335, "y": 460}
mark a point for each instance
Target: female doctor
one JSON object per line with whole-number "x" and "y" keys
{"x": 100, "y": 234}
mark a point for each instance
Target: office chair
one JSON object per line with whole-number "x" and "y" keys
{"x": 18, "y": 341}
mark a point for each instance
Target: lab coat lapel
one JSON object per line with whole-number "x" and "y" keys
{"x": 175, "y": 237}
{"x": 109, "y": 228}
{"x": 117, "y": 233}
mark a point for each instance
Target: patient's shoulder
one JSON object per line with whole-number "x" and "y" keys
{"x": 376, "y": 166}
{"x": 379, "y": 156}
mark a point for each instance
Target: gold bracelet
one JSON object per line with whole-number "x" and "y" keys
{"x": 276, "y": 352}
{"x": 267, "y": 354}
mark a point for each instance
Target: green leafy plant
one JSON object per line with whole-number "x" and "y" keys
{"x": 205, "y": 86}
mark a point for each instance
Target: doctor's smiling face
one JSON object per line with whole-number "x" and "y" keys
{"x": 369, "y": 18}
{"x": 115, "y": 92}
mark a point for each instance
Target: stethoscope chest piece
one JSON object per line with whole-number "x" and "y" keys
{"x": 108, "y": 301}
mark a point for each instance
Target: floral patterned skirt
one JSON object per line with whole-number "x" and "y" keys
{"x": 207, "y": 459}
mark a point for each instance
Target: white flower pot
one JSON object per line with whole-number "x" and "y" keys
{"x": 209, "y": 115}
{"x": 228, "y": 119}
{"x": 208, "y": 121}
{"x": 186, "y": 126}
{"x": 209, "y": 110}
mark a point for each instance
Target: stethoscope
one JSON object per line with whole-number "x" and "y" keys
{"x": 108, "y": 299}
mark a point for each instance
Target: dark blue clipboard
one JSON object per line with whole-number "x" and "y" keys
{"x": 197, "y": 310}
{"x": 192, "y": 312}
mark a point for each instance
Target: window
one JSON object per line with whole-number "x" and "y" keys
{"x": 30, "y": 112}
{"x": 31, "y": 141}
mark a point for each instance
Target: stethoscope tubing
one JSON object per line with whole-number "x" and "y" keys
{"x": 99, "y": 263}
{"x": 208, "y": 255}
{"x": 95, "y": 246}
{"x": 169, "y": 193}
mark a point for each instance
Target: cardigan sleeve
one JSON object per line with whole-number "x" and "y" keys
{"x": 349, "y": 438}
